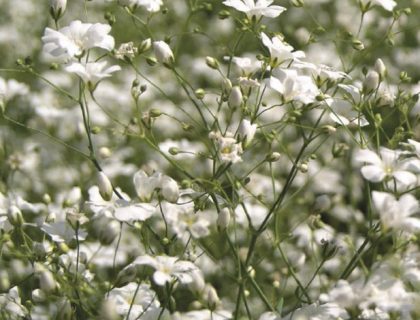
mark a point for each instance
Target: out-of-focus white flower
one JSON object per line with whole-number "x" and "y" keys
{"x": 140, "y": 299}
{"x": 11, "y": 88}
{"x": 245, "y": 82}
{"x": 386, "y": 4}
{"x": 169, "y": 189}
{"x": 145, "y": 185}
{"x": 184, "y": 222}
{"x": 75, "y": 39}
{"x": 163, "y": 52}
{"x": 235, "y": 97}
{"x": 293, "y": 86}
{"x": 246, "y": 65}
{"x": 387, "y": 164}
{"x": 397, "y": 214}
{"x": 327, "y": 311}
{"x": 62, "y": 231}
{"x": 371, "y": 81}
{"x": 92, "y": 72}
{"x": 255, "y": 9}
{"x": 280, "y": 51}
{"x": 149, "y": 5}
{"x": 167, "y": 268}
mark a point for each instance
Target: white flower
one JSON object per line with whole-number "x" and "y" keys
{"x": 126, "y": 50}
{"x": 141, "y": 300}
{"x": 73, "y": 40}
{"x": 280, "y": 51}
{"x": 169, "y": 189}
{"x": 343, "y": 113}
{"x": 167, "y": 268}
{"x": 386, "y": 4}
{"x": 235, "y": 97}
{"x": 247, "y": 131}
{"x": 92, "y": 72}
{"x": 255, "y": 9}
{"x": 229, "y": 149}
{"x": 293, "y": 86}
{"x": 387, "y": 164}
{"x": 145, "y": 186}
{"x": 62, "y": 231}
{"x": 247, "y": 65}
{"x": 163, "y": 52}
{"x": 11, "y": 88}
{"x": 150, "y": 5}
{"x": 184, "y": 222}
{"x": 327, "y": 311}
{"x": 396, "y": 214}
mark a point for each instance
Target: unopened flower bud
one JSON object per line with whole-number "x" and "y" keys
{"x": 57, "y": 8}
{"x": 297, "y": 3}
{"x": 105, "y": 152}
{"x": 223, "y": 219}
{"x": 46, "y": 281}
{"x": 235, "y": 97}
{"x": 226, "y": 85}
{"x": 357, "y": 45}
{"x": 303, "y": 167}
{"x": 38, "y": 296}
{"x": 163, "y": 53}
{"x": 126, "y": 276}
{"x": 174, "y": 151}
{"x": 200, "y": 93}
{"x": 329, "y": 129}
{"x": 247, "y": 131}
{"x": 212, "y": 63}
{"x": 151, "y": 61}
{"x": 273, "y": 157}
{"x": 155, "y": 113}
{"x": 4, "y": 281}
{"x": 211, "y": 297}
{"x": 46, "y": 198}
{"x": 15, "y": 216}
{"x": 105, "y": 186}
{"x": 371, "y": 82}
{"x": 197, "y": 284}
{"x": 169, "y": 189}
{"x": 224, "y": 14}
{"x": 145, "y": 45}
{"x": 108, "y": 230}
{"x": 380, "y": 68}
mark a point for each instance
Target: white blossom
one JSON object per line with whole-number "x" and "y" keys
{"x": 256, "y": 9}
{"x": 75, "y": 39}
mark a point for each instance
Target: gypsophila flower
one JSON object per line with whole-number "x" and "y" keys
{"x": 397, "y": 214}
{"x": 126, "y": 51}
{"x": 92, "y": 72}
{"x": 75, "y": 39}
{"x": 167, "y": 268}
{"x": 229, "y": 148}
{"x": 255, "y": 9}
{"x": 388, "y": 164}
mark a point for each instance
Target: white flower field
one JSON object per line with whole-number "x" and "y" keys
{"x": 210, "y": 159}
